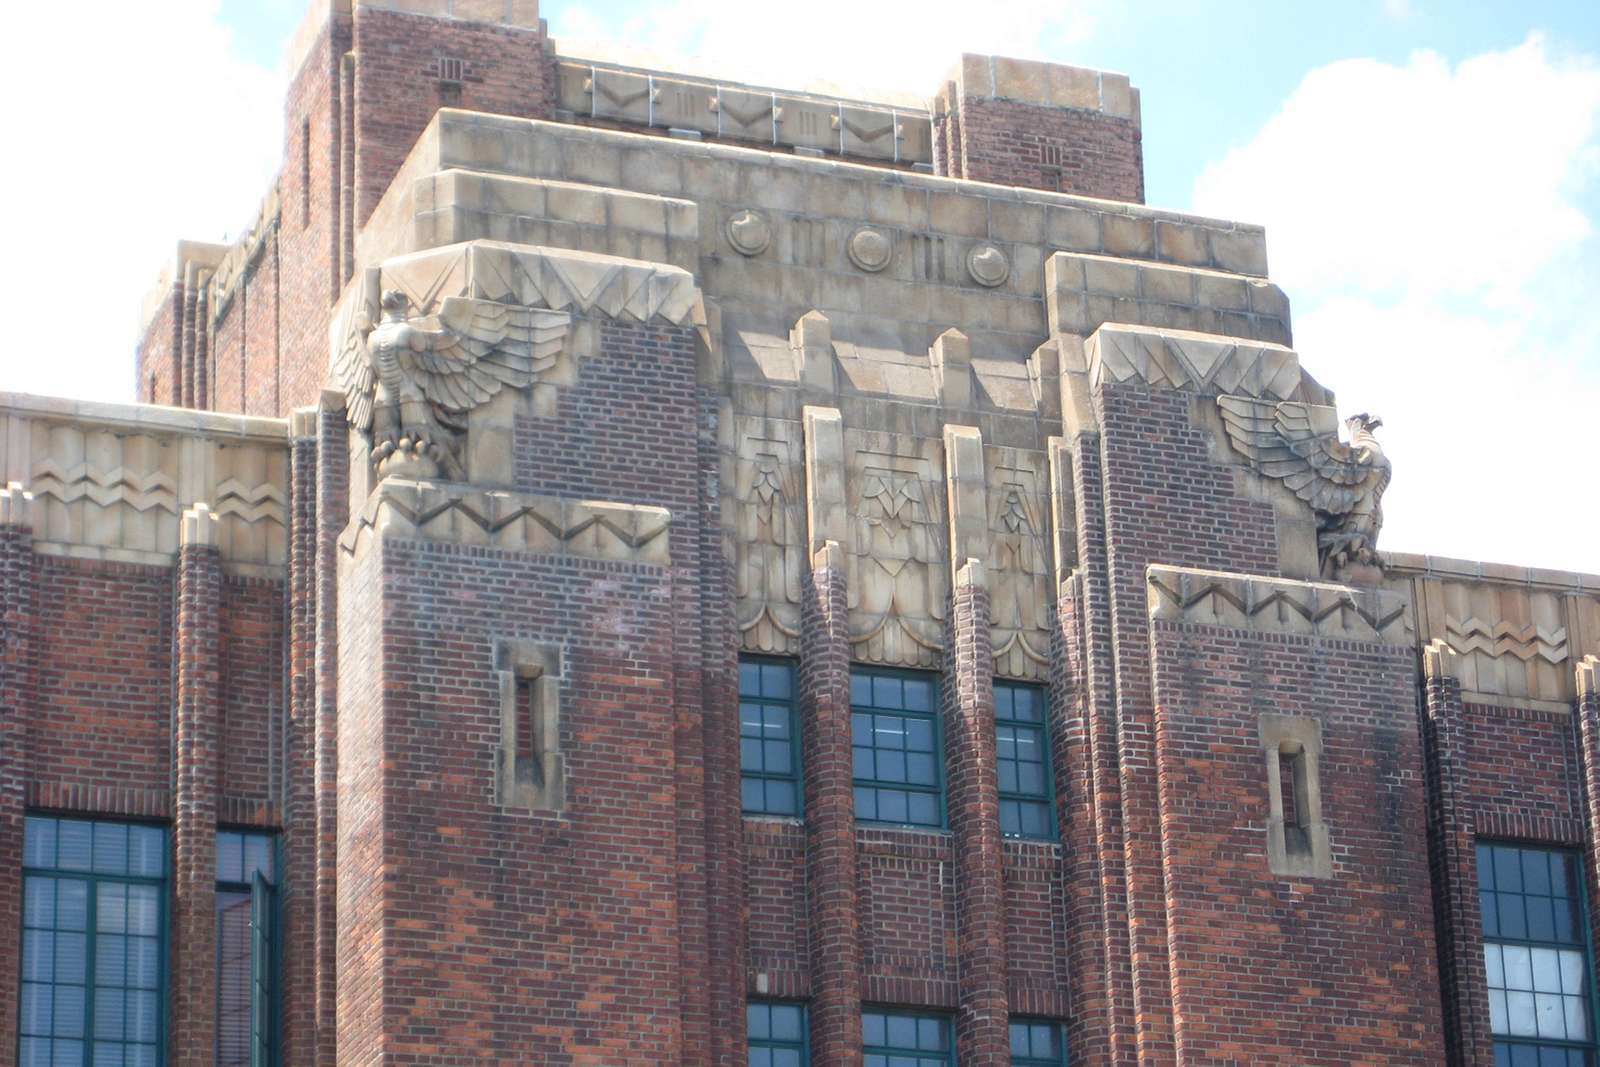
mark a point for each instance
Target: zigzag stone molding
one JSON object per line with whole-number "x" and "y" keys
{"x": 523, "y": 522}
{"x": 1198, "y": 362}
{"x": 1277, "y": 605}
{"x": 1506, "y": 639}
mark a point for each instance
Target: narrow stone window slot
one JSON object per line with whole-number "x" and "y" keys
{"x": 531, "y": 768}
{"x": 1292, "y": 789}
{"x": 1297, "y": 836}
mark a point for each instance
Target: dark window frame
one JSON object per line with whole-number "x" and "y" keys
{"x": 264, "y": 1053}
{"x": 1047, "y": 797}
{"x": 934, "y": 715}
{"x": 795, "y": 776}
{"x": 1581, "y": 941}
{"x": 803, "y": 1046}
{"x": 92, "y": 933}
{"x": 885, "y": 1051}
{"x": 1059, "y": 1030}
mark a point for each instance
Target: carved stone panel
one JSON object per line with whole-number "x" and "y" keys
{"x": 900, "y": 563}
{"x": 1019, "y": 561}
{"x": 766, "y": 521}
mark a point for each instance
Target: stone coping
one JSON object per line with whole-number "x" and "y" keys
{"x": 1413, "y": 564}
{"x": 429, "y": 140}
{"x": 1264, "y": 604}
{"x": 145, "y": 418}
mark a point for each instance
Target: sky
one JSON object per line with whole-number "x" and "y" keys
{"x": 1428, "y": 172}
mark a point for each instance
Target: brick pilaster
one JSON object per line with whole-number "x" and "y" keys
{"x": 1093, "y": 619}
{"x": 332, "y": 512}
{"x": 16, "y": 700}
{"x": 830, "y": 814}
{"x": 1453, "y": 863}
{"x": 196, "y": 756}
{"x": 1072, "y": 757}
{"x": 300, "y": 844}
{"x": 202, "y": 347}
{"x": 1588, "y": 730}
{"x": 186, "y": 395}
{"x": 981, "y": 1030}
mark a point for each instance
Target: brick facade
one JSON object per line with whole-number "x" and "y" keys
{"x": 838, "y": 412}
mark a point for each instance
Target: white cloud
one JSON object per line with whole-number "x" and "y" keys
{"x": 1434, "y": 226}
{"x": 150, "y": 127}
{"x": 873, "y": 45}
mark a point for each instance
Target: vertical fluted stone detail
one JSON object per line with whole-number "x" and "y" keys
{"x": 981, "y": 1020}
{"x": 835, "y": 934}
{"x": 196, "y": 759}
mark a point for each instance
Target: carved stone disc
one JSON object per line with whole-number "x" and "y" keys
{"x": 870, "y": 249}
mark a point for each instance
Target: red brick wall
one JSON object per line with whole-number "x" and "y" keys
{"x": 155, "y": 359}
{"x": 1336, "y": 971}
{"x": 1165, "y": 502}
{"x": 1520, "y": 773}
{"x": 1065, "y": 150}
{"x": 102, "y": 653}
{"x": 252, "y": 695}
{"x": 777, "y": 900}
{"x": 551, "y": 936}
{"x": 906, "y": 895}
{"x": 398, "y": 87}
{"x": 1035, "y": 929}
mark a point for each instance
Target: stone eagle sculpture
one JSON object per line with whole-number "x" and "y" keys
{"x": 1298, "y": 444}
{"x": 409, "y": 382}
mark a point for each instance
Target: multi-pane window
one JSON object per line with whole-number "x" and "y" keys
{"x": 93, "y": 939}
{"x": 1023, "y": 761}
{"x": 777, "y": 1034}
{"x": 246, "y": 950}
{"x": 769, "y": 741}
{"x": 894, "y": 719}
{"x": 905, "y": 1039}
{"x": 1037, "y": 1043}
{"x": 1535, "y": 956}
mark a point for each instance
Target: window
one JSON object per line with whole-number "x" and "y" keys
{"x": 247, "y": 965}
{"x": 895, "y": 747}
{"x": 93, "y": 943}
{"x": 769, "y": 741}
{"x": 1037, "y": 1043}
{"x": 905, "y": 1039}
{"x": 1024, "y": 761}
{"x": 1535, "y": 957}
{"x": 1297, "y": 838}
{"x": 777, "y": 1034}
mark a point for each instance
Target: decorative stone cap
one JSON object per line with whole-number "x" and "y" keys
{"x": 198, "y": 527}
{"x": 14, "y": 502}
{"x": 1201, "y": 363}
{"x": 1277, "y": 605}
{"x": 522, "y": 522}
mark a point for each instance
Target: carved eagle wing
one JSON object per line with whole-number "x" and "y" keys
{"x": 352, "y": 369}
{"x": 1299, "y": 445}
{"x": 479, "y": 346}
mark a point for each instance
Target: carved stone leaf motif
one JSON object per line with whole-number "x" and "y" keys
{"x": 900, "y": 565}
{"x": 768, "y": 536}
{"x": 1019, "y": 563}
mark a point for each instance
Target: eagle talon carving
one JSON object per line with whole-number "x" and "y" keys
{"x": 1298, "y": 444}
{"x": 410, "y": 381}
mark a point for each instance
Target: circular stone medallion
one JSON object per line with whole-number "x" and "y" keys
{"x": 749, "y": 233}
{"x": 870, "y": 249}
{"x": 988, "y": 265}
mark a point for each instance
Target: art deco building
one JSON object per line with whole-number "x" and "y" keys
{"x": 620, "y": 567}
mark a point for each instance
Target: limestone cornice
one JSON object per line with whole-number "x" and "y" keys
{"x": 519, "y": 522}
{"x": 1277, "y": 605}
